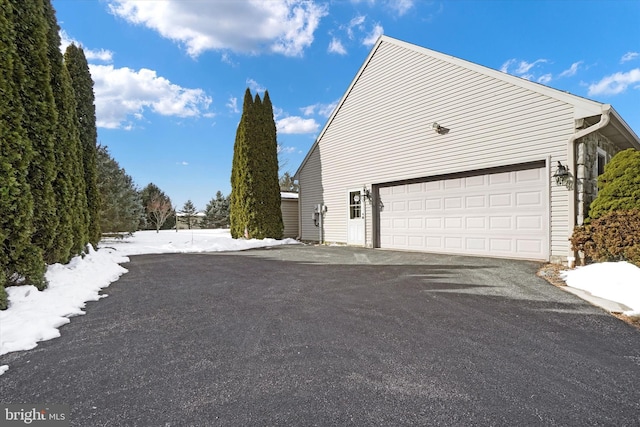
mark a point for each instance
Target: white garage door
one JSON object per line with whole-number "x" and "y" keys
{"x": 501, "y": 214}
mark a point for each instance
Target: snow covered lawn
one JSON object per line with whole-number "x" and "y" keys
{"x": 35, "y": 316}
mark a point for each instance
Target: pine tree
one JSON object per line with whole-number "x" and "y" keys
{"x": 18, "y": 257}
{"x": 287, "y": 183}
{"x": 40, "y": 118}
{"x": 188, "y": 214}
{"x": 158, "y": 207}
{"x": 121, "y": 208}
{"x": 76, "y": 63}
{"x": 255, "y": 194}
{"x": 216, "y": 215}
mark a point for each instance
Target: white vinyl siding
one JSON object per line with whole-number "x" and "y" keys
{"x": 382, "y": 133}
{"x": 289, "y": 208}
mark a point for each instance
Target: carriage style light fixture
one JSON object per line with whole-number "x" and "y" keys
{"x": 562, "y": 174}
{"x": 439, "y": 129}
{"x": 366, "y": 192}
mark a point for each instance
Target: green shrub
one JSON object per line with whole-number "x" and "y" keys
{"x": 615, "y": 236}
{"x": 4, "y": 299}
{"x": 619, "y": 185}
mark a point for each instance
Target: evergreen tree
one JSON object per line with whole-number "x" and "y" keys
{"x": 619, "y": 185}
{"x": 158, "y": 207}
{"x": 71, "y": 233}
{"x": 255, "y": 194}
{"x": 121, "y": 207}
{"x": 216, "y": 215}
{"x": 82, "y": 83}
{"x": 40, "y": 118}
{"x": 288, "y": 184}
{"x": 188, "y": 214}
{"x": 18, "y": 257}
{"x": 271, "y": 213}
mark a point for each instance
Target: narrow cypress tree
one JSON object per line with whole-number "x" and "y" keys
{"x": 18, "y": 257}
{"x": 239, "y": 172}
{"x": 255, "y": 195}
{"x": 76, "y": 63}
{"x": 65, "y": 131}
{"x": 273, "y": 226}
{"x": 40, "y": 117}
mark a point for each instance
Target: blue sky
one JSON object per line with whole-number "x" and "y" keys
{"x": 170, "y": 75}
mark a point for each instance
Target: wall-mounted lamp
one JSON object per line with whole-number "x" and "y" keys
{"x": 439, "y": 129}
{"x": 562, "y": 174}
{"x": 366, "y": 192}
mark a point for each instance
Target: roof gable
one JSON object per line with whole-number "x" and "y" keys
{"x": 582, "y": 107}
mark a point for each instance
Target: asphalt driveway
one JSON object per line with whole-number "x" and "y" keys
{"x": 334, "y": 336}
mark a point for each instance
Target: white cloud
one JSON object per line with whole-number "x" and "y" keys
{"x": 629, "y": 56}
{"x": 545, "y": 78}
{"x": 102, "y": 55}
{"x": 400, "y": 6}
{"x": 356, "y": 22}
{"x": 254, "y": 86}
{"x": 522, "y": 68}
{"x": 615, "y": 83}
{"x": 247, "y": 26}
{"x": 232, "y": 105}
{"x": 571, "y": 71}
{"x": 373, "y": 36}
{"x": 123, "y": 94}
{"x": 297, "y": 125}
{"x": 183, "y": 163}
{"x": 336, "y": 47}
{"x": 286, "y": 150}
{"x": 323, "y": 110}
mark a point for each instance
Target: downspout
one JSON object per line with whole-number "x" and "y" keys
{"x": 571, "y": 160}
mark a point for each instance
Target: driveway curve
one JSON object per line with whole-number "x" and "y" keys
{"x": 306, "y": 335}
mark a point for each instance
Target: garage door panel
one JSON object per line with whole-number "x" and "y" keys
{"x": 502, "y": 214}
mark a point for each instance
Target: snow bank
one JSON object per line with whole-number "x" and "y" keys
{"x": 615, "y": 281}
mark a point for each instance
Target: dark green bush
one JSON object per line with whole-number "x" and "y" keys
{"x": 615, "y": 236}
{"x": 619, "y": 185}
{"x": 4, "y": 299}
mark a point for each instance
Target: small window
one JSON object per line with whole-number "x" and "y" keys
{"x": 602, "y": 160}
{"x": 355, "y": 207}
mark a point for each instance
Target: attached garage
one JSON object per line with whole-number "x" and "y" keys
{"x": 428, "y": 152}
{"x": 502, "y": 213}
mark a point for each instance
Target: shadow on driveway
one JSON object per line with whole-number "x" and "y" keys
{"x": 303, "y": 335}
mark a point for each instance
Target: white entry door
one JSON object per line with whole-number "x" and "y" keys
{"x": 355, "y": 219}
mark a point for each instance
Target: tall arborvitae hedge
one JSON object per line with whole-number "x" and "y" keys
{"x": 40, "y": 118}
{"x": 65, "y": 144}
{"x": 18, "y": 257}
{"x": 76, "y": 63}
{"x": 255, "y": 194}
{"x": 272, "y": 224}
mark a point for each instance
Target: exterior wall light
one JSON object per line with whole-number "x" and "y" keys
{"x": 562, "y": 174}
{"x": 366, "y": 192}
{"x": 439, "y": 129}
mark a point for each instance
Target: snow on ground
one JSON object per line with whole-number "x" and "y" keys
{"x": 614, "y": 281}
{"x": 35, "y": 316}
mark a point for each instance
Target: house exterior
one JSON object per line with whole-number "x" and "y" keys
{"x": 289, "y": 208}
{"x": 428, "y": 152}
